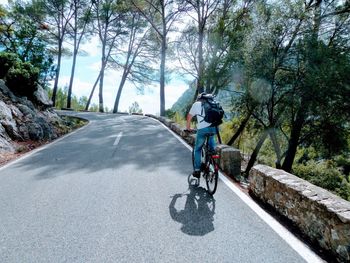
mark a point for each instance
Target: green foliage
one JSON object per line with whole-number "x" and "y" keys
{"x": 344, "y": 163}
{"x": 20, "y": 34}
{"x": 135, "y": 108}
{"x": 180, "y": 119}
{"x": 7, "y": 60}
{"x": 226, "y": 130}
{"x": 170, "y": 113}
{"x": 94, "y": 107}
{"x": 325, "y": 175}
{"x": 22, "y": 78}
{"x": 78, "y": 104}
{"x": 73, "y": 122}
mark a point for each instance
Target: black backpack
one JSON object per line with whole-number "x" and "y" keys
{"x": 213, "y": 112}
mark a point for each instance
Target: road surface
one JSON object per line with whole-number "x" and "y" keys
{"x": 116, "y": 191}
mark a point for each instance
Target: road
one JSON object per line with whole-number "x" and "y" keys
{"x": 116, "y": 191}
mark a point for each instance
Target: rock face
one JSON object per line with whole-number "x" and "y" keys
{"x": 21, "y": 119}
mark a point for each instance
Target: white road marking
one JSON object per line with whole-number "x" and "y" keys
{"x": 302, "y": 249}
{"x": 117, "y": 140}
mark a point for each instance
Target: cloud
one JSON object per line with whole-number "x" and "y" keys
{"x": 91, "y": 46}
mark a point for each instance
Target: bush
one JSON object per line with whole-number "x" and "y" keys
{"x": 325, "y": 175}
{"x": 22, "y": 79}
{"x": 344, "y": 163}
{"x": 170, "y": 113}
{"x": 7, "y": 60}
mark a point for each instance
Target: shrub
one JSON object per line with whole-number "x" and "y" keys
{"x": 325, "y": 175}
{"x": 344, "y": 163}
{"x": 22, "y": 78}
{"x": 7, "y": 60}
{"x": 170, "y": 113}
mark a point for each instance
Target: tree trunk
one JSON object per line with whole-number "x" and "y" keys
{"x": 103, "y": 65}
{"x": 55, "y": 87}
{"x": 255, "y": 153}
{"x": 70, "y": 87}
{"x": 100, "y": 93}
{"x": 240, "y": 130}
{"x": 277, "y": 148}
{"x": 92, "y": 92}
{"x": 200, "y": 83}
{"x": 75, "y": 52}
{"x": 299, "y": 121}
{"x": 162, "y": 77}
{"x": 121, "y": 86}
{"x": 294, "y": 140}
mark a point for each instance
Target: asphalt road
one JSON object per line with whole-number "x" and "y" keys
{"x": 116, "y": 191}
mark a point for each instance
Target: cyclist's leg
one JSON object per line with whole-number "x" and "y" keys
{"x": 200, "y": 139}
{"x": 211, "y": 140}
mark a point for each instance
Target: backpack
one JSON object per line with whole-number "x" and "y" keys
{"x": 213, "y": 112}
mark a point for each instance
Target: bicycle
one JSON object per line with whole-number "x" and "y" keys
{"x": 209, "y": 166}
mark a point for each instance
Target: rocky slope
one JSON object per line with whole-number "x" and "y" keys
{"x": 23, "y": 121}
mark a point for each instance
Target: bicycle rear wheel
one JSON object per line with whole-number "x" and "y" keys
{"x": 211, "y": 176}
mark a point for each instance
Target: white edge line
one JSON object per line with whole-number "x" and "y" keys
{"x": 303, "y": 250}
{"x": 40, "y": 148}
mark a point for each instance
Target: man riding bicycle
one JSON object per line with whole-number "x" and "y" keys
{"x": 204, "y": 129}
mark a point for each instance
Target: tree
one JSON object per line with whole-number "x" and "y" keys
{"x": 136, "y": 60}
{"x": 78, "y": 28}
{"x": 203, "y": 10}
{"x": 292, "y": 58}
{"x": 319, "y": 101}
{"x": 275, "y": 30}
{"x": 135, "y": 108}
{"x": 211, "y": 49}
{"x": 58, "y": 14}
{"x": 19, "y": 35}
{"x": 228, "y": 27}
{"x": 161, "y": 14}
{"x": 109, "y": 25}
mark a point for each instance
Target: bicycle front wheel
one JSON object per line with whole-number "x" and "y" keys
{"x": 211, "y": 176}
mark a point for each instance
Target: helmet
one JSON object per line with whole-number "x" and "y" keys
{"x": 205, "y": 95}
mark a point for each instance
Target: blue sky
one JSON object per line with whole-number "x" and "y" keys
{"x": 86, "y": 73}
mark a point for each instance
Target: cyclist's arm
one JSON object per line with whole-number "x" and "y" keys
{"x": 195, "y": 110}
{"x": 188, "y": 123}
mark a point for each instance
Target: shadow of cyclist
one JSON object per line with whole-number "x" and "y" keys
{"x": 197, "y": 216}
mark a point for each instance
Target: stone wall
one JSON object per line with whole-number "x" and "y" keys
{"x": 322, "y": 216}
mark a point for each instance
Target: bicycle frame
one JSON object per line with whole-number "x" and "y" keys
{"x": 209, "y": 165}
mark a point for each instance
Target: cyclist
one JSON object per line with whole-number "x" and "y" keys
{"x": 204, "y": 129}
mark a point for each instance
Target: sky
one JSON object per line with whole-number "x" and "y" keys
{"x": 87, "y": 71}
